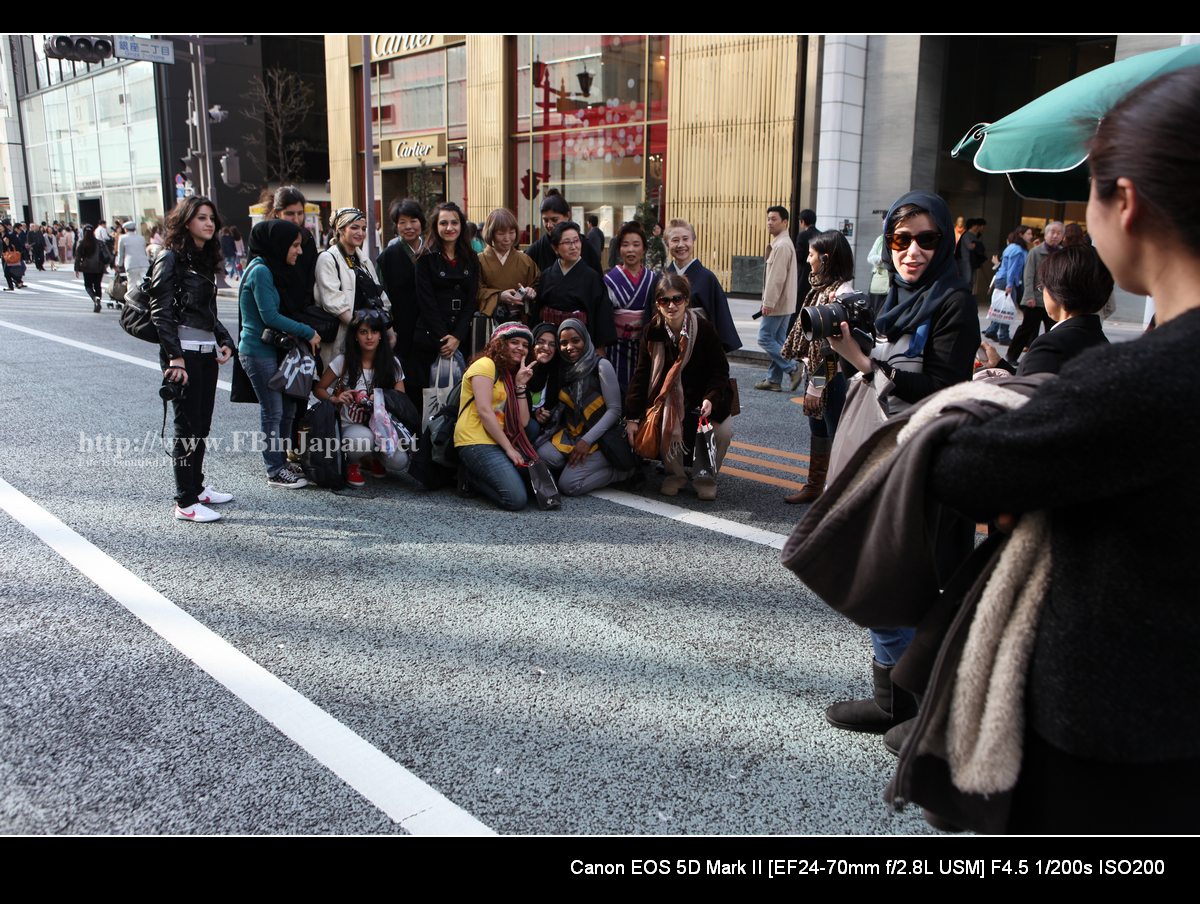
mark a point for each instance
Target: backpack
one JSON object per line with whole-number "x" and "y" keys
{"x": 441, "y": 430}
{"x": 321, "y": 446}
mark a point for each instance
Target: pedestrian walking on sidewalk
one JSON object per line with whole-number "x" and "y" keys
{"x": 778, "y": 302}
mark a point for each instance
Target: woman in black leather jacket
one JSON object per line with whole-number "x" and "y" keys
{"x": 193, "y": 344}
{"x": 447, "y": 286}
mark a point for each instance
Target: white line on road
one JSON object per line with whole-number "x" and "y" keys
{"x": 698, "y": 519}
{"x": 385, "y": 783}
{"x": 79, "y": 292}
{"x": 120, "y": 356}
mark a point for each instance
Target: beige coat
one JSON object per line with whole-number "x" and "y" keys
{"x": 779, "y": 291}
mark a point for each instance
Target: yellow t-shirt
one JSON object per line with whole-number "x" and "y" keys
{"x": 469, "y": 431}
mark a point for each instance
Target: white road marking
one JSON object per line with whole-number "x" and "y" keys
{"x": 120, "y": 356}
{"x": 698, "y": 519}
{"x": 385, "y": 783}
{"x": 80, "y": 292}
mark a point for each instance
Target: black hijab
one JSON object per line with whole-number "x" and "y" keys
{"x": 270, "y": 241}
{"x": 910, "y": 306}
{"x": 542, "y": 373}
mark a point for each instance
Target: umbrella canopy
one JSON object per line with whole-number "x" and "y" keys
{"x": 1043, "y": 146}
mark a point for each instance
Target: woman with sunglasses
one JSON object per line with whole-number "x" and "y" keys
{"x": 681, "y": 359}
{"x": 927, "y": 339}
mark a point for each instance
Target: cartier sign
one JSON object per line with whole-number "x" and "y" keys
{"x": 414, "y": 150}
{"x": 394, "y": 45}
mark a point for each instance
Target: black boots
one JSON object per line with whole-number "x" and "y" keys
{"x": 890, "y": 707}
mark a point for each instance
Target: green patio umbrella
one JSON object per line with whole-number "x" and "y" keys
{"x": 1043, "y": 146}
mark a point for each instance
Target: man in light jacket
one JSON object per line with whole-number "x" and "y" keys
{"x": 131, "y": 255}
{"x": 778, "y": 302}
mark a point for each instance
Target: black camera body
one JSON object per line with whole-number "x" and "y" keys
{"x": 170, "y": 391}
{"x": 281, "y": 341}
{"x": 821, "y": 321}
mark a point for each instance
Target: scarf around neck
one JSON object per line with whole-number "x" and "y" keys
{"x": 910, "y": 306}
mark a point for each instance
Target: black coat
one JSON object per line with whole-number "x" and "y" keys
{"x": 1050, "y": 351}
{"x": 447, "y": 297}
{"x": 398, "y": 272}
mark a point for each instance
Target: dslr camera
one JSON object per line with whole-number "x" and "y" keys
{"x": 281, "y": 341}
{"x": 821, "y": 321}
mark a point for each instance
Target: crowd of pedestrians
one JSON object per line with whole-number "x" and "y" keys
{"x": 559, "y": 365}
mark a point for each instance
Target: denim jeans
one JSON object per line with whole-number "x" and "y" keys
{"x": 494, "y": 475}
{"x": 772, "y": 331}
{"x": 890, "y": 644}
{"x": 835, "y": 401}
{"x": 277, "y": 411}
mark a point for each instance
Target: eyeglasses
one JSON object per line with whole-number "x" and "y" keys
{"x": 570, "y": 242}
{"x": 672, "y": 301}
{"x": 898, "y": 241}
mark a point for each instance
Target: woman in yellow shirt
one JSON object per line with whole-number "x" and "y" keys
{"x": 492, "y": 416}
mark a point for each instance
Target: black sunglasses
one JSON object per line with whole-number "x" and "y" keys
{"x": 898, "y": 241}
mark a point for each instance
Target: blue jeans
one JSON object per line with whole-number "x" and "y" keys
{"x": 494, "y": 475}
{"x": 277, "y": 411}
{"x": 772, "y": 331}
{"x": 835, "y": 401}
{"x": 890, "y": 644}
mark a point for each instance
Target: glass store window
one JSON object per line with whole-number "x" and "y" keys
{"x": 592, "y": 109}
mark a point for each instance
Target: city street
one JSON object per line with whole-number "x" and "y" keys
{"x": 626, "y": 665}
{"x": 387, "y": 659}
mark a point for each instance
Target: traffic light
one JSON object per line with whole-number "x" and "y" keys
{"x": 79, "y": 48}
{"x": 231, "y": 169}
{"x": 191, "y": 172}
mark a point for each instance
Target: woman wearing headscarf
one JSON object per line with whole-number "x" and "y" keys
{"x": 543, "y": 385}
{"x": 287, "y": 203}
{"x": 275, "y": 246}
{"x": 591, "y": 396}
{"x": 345, "y": 279}
{"x": 926, "y": 341}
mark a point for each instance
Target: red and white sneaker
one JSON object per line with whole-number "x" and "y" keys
{"x": 212, "y": 497}
{"x": 196, "y": 512}
{"x": 354, "y": 477}
{"x": 377, "y": 469}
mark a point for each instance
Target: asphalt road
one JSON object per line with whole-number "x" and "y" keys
{"x": 387, "y": 660}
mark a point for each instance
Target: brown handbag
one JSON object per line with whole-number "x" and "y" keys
{"x": 650, "y": 433}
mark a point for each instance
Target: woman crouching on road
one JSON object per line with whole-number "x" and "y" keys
{"x": 362, "y": 369}
{"x": 681, "y": 356}
{"x": 493, "y": 414}
{"x": 193, "y": 344}
{"x": 592, "y": 397}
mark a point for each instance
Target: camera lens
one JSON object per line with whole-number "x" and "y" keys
{"x": 821, "y": 321}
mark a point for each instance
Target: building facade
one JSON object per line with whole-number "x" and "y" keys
{"x": 709, "y": 128}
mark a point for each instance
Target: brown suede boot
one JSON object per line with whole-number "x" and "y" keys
{"x": 818, "y": 467}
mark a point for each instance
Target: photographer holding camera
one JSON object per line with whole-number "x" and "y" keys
{"x": 831, "y": 273}
{"x": 928, "y": 334}
{"x": 193, "y": 344}
{"x": 275, "y": 246}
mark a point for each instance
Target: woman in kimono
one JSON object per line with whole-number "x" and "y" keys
{"x": 506, "y": 280}
{"x": 570, "y": 290}
{"x": 630, "y": 289}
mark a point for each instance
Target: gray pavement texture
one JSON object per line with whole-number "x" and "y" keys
{"x": 598, "y": 670}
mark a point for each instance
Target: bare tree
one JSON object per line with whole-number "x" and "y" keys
{"x": 282, "y": 99}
